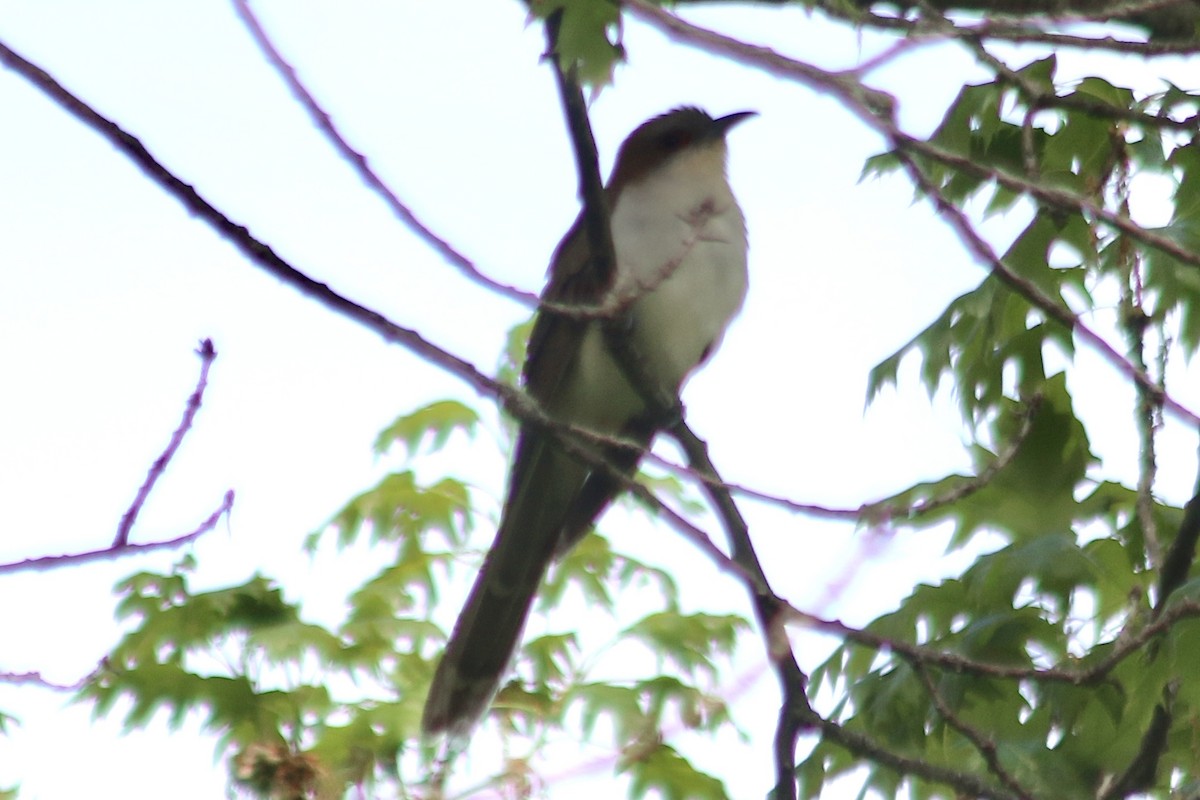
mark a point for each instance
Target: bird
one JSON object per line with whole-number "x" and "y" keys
{"x": 680, "y": 277}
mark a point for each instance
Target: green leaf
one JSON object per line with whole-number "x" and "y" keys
{"x": 588, "y": 36}
{"x": 661, "y": 768}
{"x": 1100, "y": 89}
{"x": 512, "y": 357}
{"x": 398, "y": 508}
{"x": 1034, "y": 493}
{"x": 691, "y": 641}
{"x": 550, "y": 657}
{"x": 436, "y": 421}
{"x": 983, "y": 335}
{"x": 697, "y": 710}
{"x": 1040, "y": 73}
{"x": 595, "y": 569}
{"x": 622, "y": 705}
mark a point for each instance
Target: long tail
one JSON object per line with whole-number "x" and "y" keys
{"x": 544, "y": 487}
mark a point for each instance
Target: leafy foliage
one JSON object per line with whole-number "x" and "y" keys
{"x": 1076, "y": 578}
{"x": 588, "y": 35}
{"x": 309, "y": 710}
{"x": 1039, "y": 671}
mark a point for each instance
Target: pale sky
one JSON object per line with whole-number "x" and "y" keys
{"x": 109, "y": 285}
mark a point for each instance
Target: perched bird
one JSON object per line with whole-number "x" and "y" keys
{"x": 679, "y": 278}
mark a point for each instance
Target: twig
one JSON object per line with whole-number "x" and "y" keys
{"x": 981, "y": 742}
{"x": 795, "y": 713}
{"x": 117, "y": 550}
{"x": 795, "y": 710}
{"x": 207, "y": 355}
{"x": 1122, "y": 648}
{"x": 20, "y": 678}
{"x": 577, "y": 441}
{"x": 877, "y": 109}
{"x": 325, "y": 124}
{"x": 972, "y": 485}
{"x": 967, "y": 784}
{"x": 1135, "y": 322}
{"x": 878, "y": 511}
{"x": 1016, "y": 25}
{"x": 35, "y": 678}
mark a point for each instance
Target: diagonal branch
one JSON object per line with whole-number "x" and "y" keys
{"x": 325, "y": 124}
{"x": 795, "y": 713}
{"x": 579, "y": 442}
{"x": 877, "y": 110}
{"x": 967, "y": 784}
{"x": 116, "y": 550}
{"x": 978, "y": 740}
{"x": 1122, "y": 648}
{"x": 207, "y": 354}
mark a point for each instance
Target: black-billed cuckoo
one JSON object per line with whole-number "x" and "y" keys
{"x": 680, "y": 277}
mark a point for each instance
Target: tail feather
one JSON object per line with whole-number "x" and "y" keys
{"x": 545, "y": 484}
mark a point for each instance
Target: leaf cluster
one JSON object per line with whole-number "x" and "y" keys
{"x": 983, "y": 681}
{"x": 311, "y": 709}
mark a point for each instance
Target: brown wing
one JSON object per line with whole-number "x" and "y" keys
{"x": 544, "y": 488}
{"x": 554, "y": 341}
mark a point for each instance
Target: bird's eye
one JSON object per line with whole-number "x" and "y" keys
{"x": 676, "y": 140}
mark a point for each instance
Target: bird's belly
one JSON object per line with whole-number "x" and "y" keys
{"x": 598, "y": 396}
{"x": 674, "y": 327}
{"x": 677, "y": 324}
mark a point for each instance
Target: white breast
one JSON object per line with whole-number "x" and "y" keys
{"x": 680, "y": 242}
{"x": 680, "y": 239}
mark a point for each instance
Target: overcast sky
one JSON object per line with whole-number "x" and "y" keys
{"x": 108, "y": 285}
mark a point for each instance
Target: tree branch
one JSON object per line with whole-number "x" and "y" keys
{"x": 877, "y": 110}
{"x": 795, "y": 710}
{"x": 207, "y": 355}
{"x": 1162, "y": 20}
{"x": 1122, "y": 648}
{"x": 795, "y": 714}
{"x": 860, "y": 744}
{"x": 116, "y": 550}
{"x": 326, "y": 125}
{"x": 579, "y": 442}
{"x": 978, "y": 740}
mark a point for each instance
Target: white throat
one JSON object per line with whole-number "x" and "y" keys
{"x": 680, "y": 240}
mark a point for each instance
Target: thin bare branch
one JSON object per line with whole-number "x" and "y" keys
{"x": 795, "y": 713}
{"x": 207, "y": 355}
{"x": 860, "y": 744}
{"x": 36, "y": 678}
{"x": 1122, "y": 648}
{"x": 978, "y": 740}
{"x": 877, "y": 109}
{"x": 794, "y": 710}
{"x": 577, "y": 441}
{"x": 119, "y": 550}
{"x": 326, "y": 125}
{"x": 1024, "y": 29}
